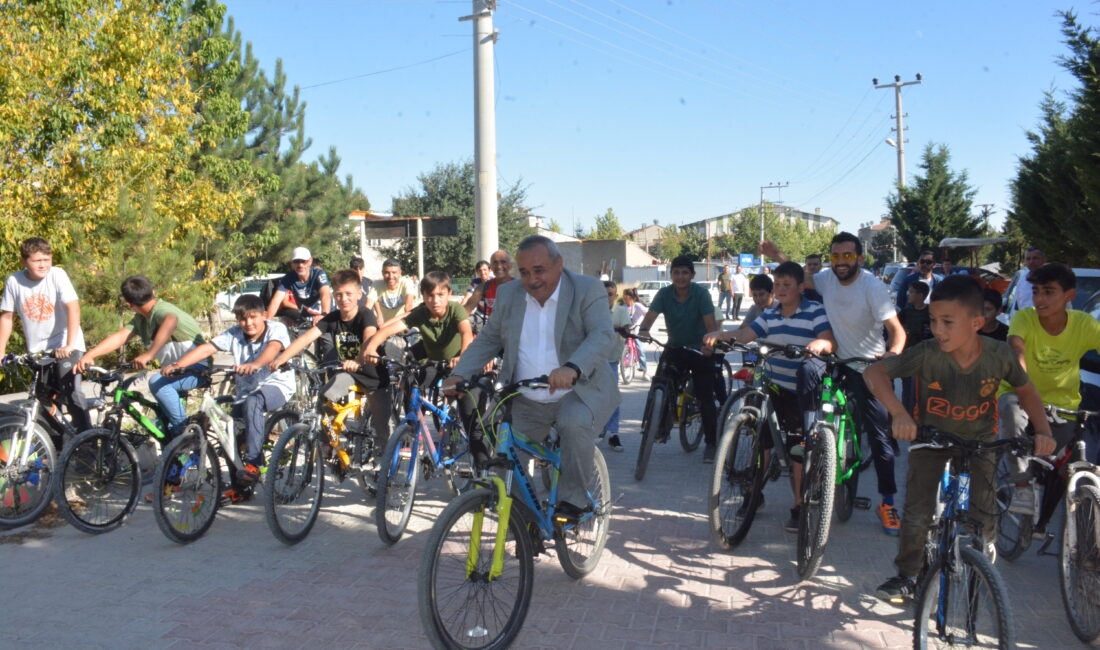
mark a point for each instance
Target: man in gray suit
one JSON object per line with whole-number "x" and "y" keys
{"x": 555, "y": 323}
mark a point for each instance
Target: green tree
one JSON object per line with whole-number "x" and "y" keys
{"x": 448, "y": 191}
{"x": 607, "y": 227}
{"x": 554, "y": 226}
{"x": 937, "y": 205}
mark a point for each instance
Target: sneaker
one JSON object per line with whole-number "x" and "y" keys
{"x": 897, "y": 590}
{"x": 891, "y": 522}
{"x": 235, "y": 495}
{"x": 792, "y": 524}
{"x": 709, "y": 453}
{"x": 615, "y": 443}
{"x": 249, "y": 475}
{"x": 1023, "y": 500}
{"x": 603, "y": 434}
{"x": 567, "y": 513}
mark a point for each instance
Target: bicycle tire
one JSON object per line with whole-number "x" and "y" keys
{"x": 460, "y": 607}
{"x": 294, "y": 484}
{"x": 628, "y": 365}
{"x": 844, "y": 502}
{"x": 275, "y": 425}
{"x": 691, "y": 420}
{"x": 456, "y": 456}
{"x": 816, "y": 513}
{"x": 396, "y": 487}
{"x": 187, "y": 487}
{"x": 25, "y": 491}
{"x": 738, "y": 481}
{"x": 1013, "y": 528}
{"x": 1079, "y": 562}
{"x": 654, "y": 414}
{"x": 984, "y": 610}
{"x": 579, "y": 547}
{"x": 98, "y": 481}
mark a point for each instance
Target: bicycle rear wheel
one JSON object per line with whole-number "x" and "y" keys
{"x": 1079, "y": 562}
{"x": 651, "y": 428}
{"x": 294, "y": 484}
{"x": 397, "y": 484}
{"x": 1013, "y": 528}
{"x": 187, "y": 486}
{"x": 691, "y": 421}
{"x": 461, "y": 604}
{"x": 25, "y": 488}
{"x": 628, "y": 364}
{"x": 98, "y": 481}
{"x": 738, "y": 481}
{"x": 579, "y": 546}
{"x": 816, "y": 514}
{"x": 963, "y": 603}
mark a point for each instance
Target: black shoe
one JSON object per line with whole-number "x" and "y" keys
{"x": 792, "y": 524}
{"x": 709, "y": 453}
{"x": 480, "y": 454}
{"x": 567, "y": 513}
{"x": 897, "y": 590}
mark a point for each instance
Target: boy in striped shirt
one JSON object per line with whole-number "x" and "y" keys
{"x": 799, "y": 321}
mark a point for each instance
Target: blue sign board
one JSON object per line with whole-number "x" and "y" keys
{"x": 746, "y": 259}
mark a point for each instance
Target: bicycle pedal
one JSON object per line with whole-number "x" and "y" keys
{"x": 862, "y": 503}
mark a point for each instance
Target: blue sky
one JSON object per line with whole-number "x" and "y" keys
{"x": 671, "y": 110}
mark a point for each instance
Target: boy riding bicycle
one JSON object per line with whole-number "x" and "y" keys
{"x": 795, "y": 320}
{"x": 955, "y": 376}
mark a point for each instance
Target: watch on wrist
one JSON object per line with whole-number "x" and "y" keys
{"x": 572, "y": 366}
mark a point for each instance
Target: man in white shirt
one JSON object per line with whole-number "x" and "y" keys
{"x": 1021, "y": 295}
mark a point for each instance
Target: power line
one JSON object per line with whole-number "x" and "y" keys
{"x": 378, "y": 72}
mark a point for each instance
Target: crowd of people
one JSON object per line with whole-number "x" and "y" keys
{"x": 962, "y": 370}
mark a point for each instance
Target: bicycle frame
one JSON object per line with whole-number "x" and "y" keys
{"x": 415, "y": 417}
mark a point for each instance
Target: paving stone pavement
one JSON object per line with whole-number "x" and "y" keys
{"x": 661, "y": 583}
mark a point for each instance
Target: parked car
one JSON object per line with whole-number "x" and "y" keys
{"x": 712, "y": 288}
{"x": 253, "y": 284}
{"x": 649, "y": 288}
{"x": 1088, "y": 283}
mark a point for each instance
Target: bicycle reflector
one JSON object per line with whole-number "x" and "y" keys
{"x": 744, "y": 374}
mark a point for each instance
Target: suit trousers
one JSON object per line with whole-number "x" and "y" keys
{"x": 577, "y": 430}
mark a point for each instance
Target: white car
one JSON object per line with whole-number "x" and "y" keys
{"x": 712, "y": 288}
{"x": 649, "y": 288}
{"x": 252, "y": 284}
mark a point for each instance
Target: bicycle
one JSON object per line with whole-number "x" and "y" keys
{"x": 412, "y": 451}
{"x": 960, "y": 597}
{"x": 100, "y": 470}
{"x": 477, "y": 572}
{"x": 660, "y": 413}
{"x": 31, "y": 431}
{"x": 836, "y": 411}
{"x": 1076, "y": 480}
{"x": 332, "y": 433}
{"x": 630, "y": 360}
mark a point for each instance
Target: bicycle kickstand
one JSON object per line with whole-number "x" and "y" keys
{"x": 1047, "y": 541}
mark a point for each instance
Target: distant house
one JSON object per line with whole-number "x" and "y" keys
{"x": 647, "y": 237}
{"x": 727, "y": 223}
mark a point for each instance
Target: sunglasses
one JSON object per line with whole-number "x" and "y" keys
{"x": 927, "y": 261}
{"x": 843, "y": 257}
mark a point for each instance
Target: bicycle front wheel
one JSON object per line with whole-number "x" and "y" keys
{"x": 816, "y": 514}
{"x": 691, "y": 421}
{"x": 654, "y": 414}
{"x": 397, "y": 484}
{"x": 1079, "y": 561}
{"x": 628, "y": 365}
{"x": 187, "y": 486}
{"x": 963, "y": 603}
{"x": 847, "y": 462}
{"x": 1013, "y": 528}
{"x": 25, "y": 487}
{"x": 98, "y": 481}
{"x": 464, "y": 603}
{"x": 579, "y": 546}
{"x": 294, "y": 484}
{"x": 738, "y": 481}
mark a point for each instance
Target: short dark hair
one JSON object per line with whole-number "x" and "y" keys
{"x": 920, "y": 287}
{"x": 962, "y": 289}
{"x": 683, "y": 261}
{"x": 993, "y": 297}
{"x": 1054, "y": 272}
{"x": 391, "y": 262}
{"x": 929, "y": 253}
{"x": 137, "y": 290}
{"x": 432, "y": 280}
{"x": 34, "y": 245}
{"x": 481, "y": 263}
{"x": 846, "y": 237}
{"x": 762, "y": 281}
{"x": 246, "y": 304}
{"x": 357, "y": 263}
{"x": 791, "y": 270}
{"x": 345, "y": 276}
{"x": 813, "y": 256}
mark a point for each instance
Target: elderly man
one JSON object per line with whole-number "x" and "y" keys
{"x": 484, "y": 295}
{"x": 555, "y": 323}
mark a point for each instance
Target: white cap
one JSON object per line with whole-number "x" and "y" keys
{"x": 300, "y": 253}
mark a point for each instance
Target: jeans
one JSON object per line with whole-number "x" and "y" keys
{"x": 612, "y": 426}
{"x": 168, "y": 390}
{"x": 875, "y": 423}
{"x": 725, "y": 298}
{"x": 262, "y": 400}
{"x": 736, "y": 310}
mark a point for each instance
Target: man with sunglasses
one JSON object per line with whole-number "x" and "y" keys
{"x": 923, "y": 273}
{"x": 858, "y": 307}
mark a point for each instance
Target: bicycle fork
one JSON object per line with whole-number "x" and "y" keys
{"x": 504, "y": 511}
{"x": 21, "y": 448}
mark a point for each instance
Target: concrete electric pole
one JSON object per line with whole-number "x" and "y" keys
{"x": 773, "y": 186}
{"x": 486, "y": 232}
{"x": 900, "y": 127}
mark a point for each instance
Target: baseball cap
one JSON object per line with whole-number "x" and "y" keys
{"x": 300, "y": 253}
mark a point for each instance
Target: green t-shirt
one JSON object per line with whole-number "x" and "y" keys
{"x": 1053, "y": 362}
{"x": 684, "y": 320}
{"x": 186, "y": 335}
{"x": 440, "y": 336}
{"x": 953, "y": 399}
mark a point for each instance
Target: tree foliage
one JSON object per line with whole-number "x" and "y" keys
{"x": 793, "y": 237}
{"x": 607, "y": 226}
{"x": 448, "y": 191}
{"x": 938, "y": 204}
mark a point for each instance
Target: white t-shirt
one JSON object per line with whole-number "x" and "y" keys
{"x": 41, "y": 306}
{"x": 243, "y": 351}
{"x": 1022, "y": 293}
{"x": 856, "y": 312}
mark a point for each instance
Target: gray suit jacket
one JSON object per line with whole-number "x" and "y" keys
{"x": 582, "y": 335}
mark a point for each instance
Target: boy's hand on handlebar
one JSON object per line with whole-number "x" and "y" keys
{"x": 904, "y": 428}
{"x": 1044, "y": 444}
{"x": 246, "y": 369}
{"x": 817, "y": 346}
{"x": 141, "y": 360}
{"x": 351, "y": 365}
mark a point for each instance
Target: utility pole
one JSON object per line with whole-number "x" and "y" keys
{"x": 485, "y": 134}
{"x": 900, "y": 127}
{"x": 762, "y": 188}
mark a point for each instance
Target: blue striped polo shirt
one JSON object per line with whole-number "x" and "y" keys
{"x": 805, "y": 325}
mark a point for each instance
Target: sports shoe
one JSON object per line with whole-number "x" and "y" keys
{"x": 792, "y": 524}
{"x": 234, "y": 495}
{"x": 1023, "y": 500}
{"x": 709, "y": 453}
{"x": 891, "y": 522}
{"x": 897, "y": 590}
{"x": 615, "y": 443}
{"x": 249, "y": 475}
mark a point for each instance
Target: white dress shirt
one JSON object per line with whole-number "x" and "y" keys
{"x": 538, "y": 354}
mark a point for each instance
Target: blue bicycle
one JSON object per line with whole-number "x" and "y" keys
{"x": 477, "y": 572}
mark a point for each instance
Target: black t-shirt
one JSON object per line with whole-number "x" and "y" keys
{"x": 347, "y": 339}
{"x": 307, "y": 294}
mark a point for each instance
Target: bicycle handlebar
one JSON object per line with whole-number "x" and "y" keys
{"x": 933, "y": 438}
